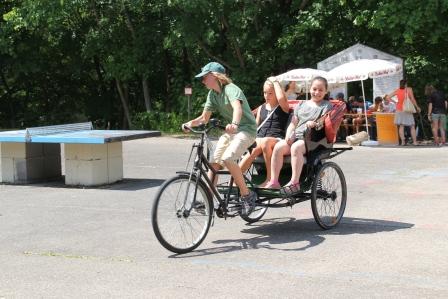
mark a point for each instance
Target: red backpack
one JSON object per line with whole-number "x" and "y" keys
{"x": 333, "y": 119}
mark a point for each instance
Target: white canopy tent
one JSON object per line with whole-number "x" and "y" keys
{"x": 358, "y": 51}
{"x": 362, "y": 69}
{"x": 303, "y": 75}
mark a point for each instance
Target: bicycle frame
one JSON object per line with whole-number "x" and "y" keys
{"x": 200, "y": 169}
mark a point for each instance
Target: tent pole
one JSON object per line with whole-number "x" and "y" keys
{"x": 365, "y": 109}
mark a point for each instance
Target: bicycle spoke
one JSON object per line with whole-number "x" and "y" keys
{"x": 329, "y": 200}
{"x": 183, "y": 214}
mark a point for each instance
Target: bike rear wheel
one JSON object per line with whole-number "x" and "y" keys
{"x": 181, "y": 213}
{"x": 329, "y": 195}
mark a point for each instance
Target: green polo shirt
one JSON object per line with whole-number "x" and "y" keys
{"x": 221, "y": 102}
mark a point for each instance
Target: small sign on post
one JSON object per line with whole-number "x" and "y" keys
{"x": 188, "y": 92}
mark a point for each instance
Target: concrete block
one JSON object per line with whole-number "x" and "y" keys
{"x": 115, "y": 149}
{"x": 115, "y": 169}
{"x": 86, "y": 173}
{"x": 71, "y": 172}
{"x": 7, "y": 170}
{"x": 27, "y": 162}
{"x": 85, "y": 164}
{"x": 20, "y": 171}
{"x": 85, "y": 151}
{"x": 13, "y": 150}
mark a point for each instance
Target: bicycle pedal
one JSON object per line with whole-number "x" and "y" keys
{"x": 234, "y": 214}
{"x": 235, "y": 208}
{"x": 219, "y": 213}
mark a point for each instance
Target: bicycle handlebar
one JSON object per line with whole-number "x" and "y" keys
{"x": 213, "y": 123}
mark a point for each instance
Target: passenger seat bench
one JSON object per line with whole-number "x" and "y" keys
{"x": 320, "y": 150}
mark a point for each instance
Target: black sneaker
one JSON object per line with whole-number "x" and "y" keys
{"x": 248, "y": 203}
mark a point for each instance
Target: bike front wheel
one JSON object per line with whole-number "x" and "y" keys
{"x": 329, "y": 195}
{"x": 182, "y": 213}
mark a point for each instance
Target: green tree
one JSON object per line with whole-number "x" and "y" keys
{"x": 71, "y": 60}
{"x": 418, "y": 32}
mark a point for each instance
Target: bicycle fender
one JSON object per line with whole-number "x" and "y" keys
{"x": 183, "y": 172}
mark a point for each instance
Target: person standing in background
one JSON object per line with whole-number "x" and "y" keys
{"x": 402, "y": 118}
{"x": 437, "y": 107}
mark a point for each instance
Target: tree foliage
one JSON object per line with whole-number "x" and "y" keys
{"x": 109, "y": 61}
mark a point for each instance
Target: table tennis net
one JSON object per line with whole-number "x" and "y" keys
{"x": 57, "y": 129}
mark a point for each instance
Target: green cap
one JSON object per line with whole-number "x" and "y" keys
{"x": 211, "y": 67}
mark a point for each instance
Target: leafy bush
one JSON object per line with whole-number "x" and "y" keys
{"x": 167, "y": 122}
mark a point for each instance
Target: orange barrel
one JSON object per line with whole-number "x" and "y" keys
{"x": 387, "y": 132}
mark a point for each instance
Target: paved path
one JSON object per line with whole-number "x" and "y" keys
{"x": 62, "y": 242}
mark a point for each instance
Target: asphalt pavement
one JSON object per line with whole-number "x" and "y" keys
{"x": 74, "y": 242}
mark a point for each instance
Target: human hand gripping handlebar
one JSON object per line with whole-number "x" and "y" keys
{"x": 213, "y": 123}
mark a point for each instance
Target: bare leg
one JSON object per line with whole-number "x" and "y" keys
{"x": 248, "y": 159}
{"x": 413, "y": 135}
{"x": 268, "y": 146}
{"x": 280, "y": 149}
{"x": 401, "y": 133}
{"x": 297, "y": 160}
{"x": 237, "y": 175}
{"x": 435, "y": 131}
{"x": 442, "y": 131}
{"x": 212, "y": 178}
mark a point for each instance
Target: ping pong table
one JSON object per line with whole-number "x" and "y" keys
{"x": 92, "y": 157}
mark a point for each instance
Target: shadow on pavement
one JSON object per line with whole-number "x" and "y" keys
{"x": 127, "y": 184}
{"x": 130, "y": 184}
{"x": 281, "y": 233}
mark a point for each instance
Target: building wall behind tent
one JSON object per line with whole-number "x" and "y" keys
{"x": 384, "y": 85}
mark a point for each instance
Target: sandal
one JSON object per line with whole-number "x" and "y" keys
{"x": 291, "y": 188}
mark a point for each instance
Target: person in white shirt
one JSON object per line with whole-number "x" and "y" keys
{"x": 290, "y": 91}
{"x": 388, "y": 105}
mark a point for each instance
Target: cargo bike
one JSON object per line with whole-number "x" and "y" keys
{"x": 184, "y": 206}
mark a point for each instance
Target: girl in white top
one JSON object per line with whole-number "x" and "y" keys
{"x": 305, "y": 116}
